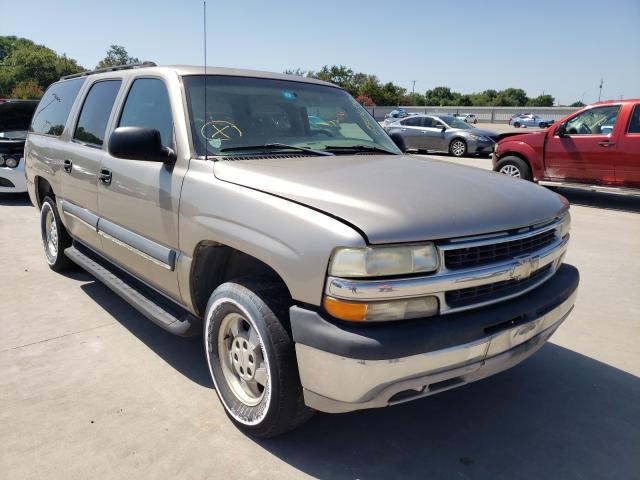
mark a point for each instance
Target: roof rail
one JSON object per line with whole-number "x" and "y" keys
{"x": 110, "y": 69}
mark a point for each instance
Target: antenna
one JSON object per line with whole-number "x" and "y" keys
{"x": 204, "y": 25}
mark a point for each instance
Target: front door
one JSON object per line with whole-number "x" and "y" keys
{"x": 432, "y": 134}
{"x": 139, "y": 205}
{"x": 587, "y": 152}
{"x": 81, "y": 162}
{"x": 628, "y": 159}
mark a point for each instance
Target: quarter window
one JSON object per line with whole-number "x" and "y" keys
{"x": 96, "y": 111}
{"x": 595, "y": 121}
{"x": 148, "y": 106}
{"x": 53, "y": 110}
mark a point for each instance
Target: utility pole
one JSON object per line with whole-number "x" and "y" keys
{"x": 413, "y": 88}
{"x": 601, "y": 83}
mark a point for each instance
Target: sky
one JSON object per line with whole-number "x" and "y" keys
{"x": 558, "y": 47}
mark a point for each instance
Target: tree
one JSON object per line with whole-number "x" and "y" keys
{"x": 439, "y": 96}
{"x": 511, "y": 97}
{"x": 26, "y": 90}
{"x": 542, "y": 101}
{"x": 116, "y": 55}
{"x": 365, "y": 101}
{"x": 23, "y": 61}
{"x": 577, "y": 104}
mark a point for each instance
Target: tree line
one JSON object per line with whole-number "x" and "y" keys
{"x": 27, "y": 69}
{"x": 370, "y": 91}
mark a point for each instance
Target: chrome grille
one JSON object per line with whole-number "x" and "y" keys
{"x": 490, "y": 291}
{"x": 476, "y": 256}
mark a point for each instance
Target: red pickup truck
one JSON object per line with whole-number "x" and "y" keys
{"x": 596, "y": 148}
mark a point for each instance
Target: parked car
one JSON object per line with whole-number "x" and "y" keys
{"x": 467, "y": 117}
{"x": 596, "y": 148}
{"x": 530, "y": 120}
{"x": 15, "y": 116}
{"x": 443, "y": 133}
{"x": 330, "y": 274}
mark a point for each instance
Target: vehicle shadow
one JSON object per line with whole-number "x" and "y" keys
{"x": 606, "y": 201}
{"x": 559, "y": 414}
{"x": 186, "y": 355}
{"x": 15, "y": 199}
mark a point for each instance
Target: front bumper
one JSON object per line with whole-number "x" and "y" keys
{"x": 351, "y": 367}
{"x": 480, "y": 146}
{"x": 12, "y": 180}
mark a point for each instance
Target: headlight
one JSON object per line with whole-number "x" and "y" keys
{"x": 481, "y": 138}
{"x": 384, "y": 261}
{"x": 382, "y": 311}
{"x": 565, "y": 226}
{"x": 12, "y": 162}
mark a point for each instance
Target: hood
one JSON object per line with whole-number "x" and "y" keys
{"x": 16, "y": 114}
{"x": 534, "y": 137}
{"x": 480, "y": 131}
{"x": 399, "y": 198}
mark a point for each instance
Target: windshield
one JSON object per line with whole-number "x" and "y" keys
{"x": 249, "y": 112}
{"x": 454, "y": 122}
{"x": 15, "y": 117}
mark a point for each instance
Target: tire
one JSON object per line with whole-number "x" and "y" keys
{"x": 458, "y": 147}
{"x": 55, "y": 238}
{"x": 516, "y": 124}
{"x": 542, "y": 125}
{"x": 514, "y": 167}
{"x": 246, "y": 332}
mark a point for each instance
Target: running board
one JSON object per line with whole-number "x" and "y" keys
{"x": 149, "y": 303}
{"x": 592, "y": 188}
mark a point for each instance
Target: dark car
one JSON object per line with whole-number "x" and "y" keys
{"x": 15, "y": 117}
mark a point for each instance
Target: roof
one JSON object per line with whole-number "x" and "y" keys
{"x": 150, "y": 67}
{"x": 615, "y": 102}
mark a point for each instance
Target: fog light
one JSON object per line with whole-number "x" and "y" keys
{"x": 11, "y": 162}
{"x": 382, "y": 311}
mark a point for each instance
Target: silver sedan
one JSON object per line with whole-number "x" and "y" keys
{"x": 444, "y": 133}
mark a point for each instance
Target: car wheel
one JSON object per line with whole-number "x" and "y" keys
{"x": 458, "y": 147}
{"x": 514, "y": 167}
{"x": 475, "y": 121}
{"x": 542, "y": 125}
{"x": 252, "y": 359}
{"x": 55, "y": 238}
{"x": 516, "y": 124}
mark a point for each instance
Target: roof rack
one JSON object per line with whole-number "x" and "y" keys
{"x": 111, "y": 69}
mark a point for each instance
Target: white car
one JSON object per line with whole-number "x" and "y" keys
{"x": 467, "y": 117}
{"x": 15, "y": 116}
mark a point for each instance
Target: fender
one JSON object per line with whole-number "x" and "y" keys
{"x": 533, "y": 154}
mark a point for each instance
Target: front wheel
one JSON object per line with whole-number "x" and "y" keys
{"x": 458, "y": 148}
{"x": 252, "y": 359}
{"x": 54, "y": 236}
{"x": 514, "y": 167}
{"x": 542, "y": 125}
{"x": 516, "y": 124}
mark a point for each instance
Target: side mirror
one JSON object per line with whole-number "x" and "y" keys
{"x": 139, "y": 143}
{"x": 443, "y": 127}
{"x": 399, "y": 141}
{"x": 561, "y": 131}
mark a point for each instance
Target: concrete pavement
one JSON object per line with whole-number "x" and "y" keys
{"x": 89, "y": 388}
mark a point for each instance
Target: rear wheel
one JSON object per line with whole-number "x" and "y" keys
{"x": 514, "y": 167}
{"x": 458, "y": 147}
{"x": 55, "y": 238}
{"x": 516, "y": 124}
{"x": 252, "y": 359}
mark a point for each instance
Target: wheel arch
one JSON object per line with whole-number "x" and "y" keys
{"x": 215, "y": 263}
{"x": 525, "y": 153}
{"x": 43, "y": 189}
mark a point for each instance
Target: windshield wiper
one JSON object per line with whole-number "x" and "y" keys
{"x": 358, "y": 148}
{"x": 274, "y": 146}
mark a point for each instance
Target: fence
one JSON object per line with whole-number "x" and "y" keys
{"x": 484, "y": 114}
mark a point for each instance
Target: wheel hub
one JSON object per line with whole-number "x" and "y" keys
{"x": 243, "y": 358}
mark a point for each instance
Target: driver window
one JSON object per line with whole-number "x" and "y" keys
{"x": 428, "y": 122}
{"x": 147, "y": 105}
{"x": 595, "y": 121}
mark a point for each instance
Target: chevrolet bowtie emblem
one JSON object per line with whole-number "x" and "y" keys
{"x": 524, "y": 268}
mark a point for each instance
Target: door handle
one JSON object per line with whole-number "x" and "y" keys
{"x": 105, "y": 176}
{"x": 68, "y": 165}
{"x": 606, "y": 144}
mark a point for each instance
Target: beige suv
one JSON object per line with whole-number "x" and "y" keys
{"x": 326, "y": 269}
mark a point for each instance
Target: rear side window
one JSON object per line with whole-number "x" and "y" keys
{"x": 412, "y": 122}
{"x": 634, "y": 121}
{"x": 148, "y": 106}
{"x": 95, "y": 113}
{"x": 53, "y": 110}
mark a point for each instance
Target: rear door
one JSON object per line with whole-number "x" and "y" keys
{"x": 410, "y": 129}
{"x": 139, "y": 205}
{"x": 81, "y": 162}
{"x": 433, "y": 137}
{"x": 627, "y": 165}
{"x": 587, "y": 154}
